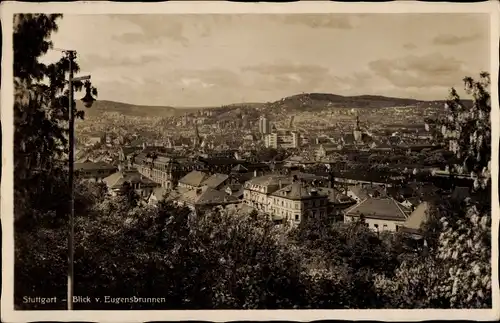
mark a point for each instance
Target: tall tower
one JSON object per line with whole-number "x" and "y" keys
{"x": 264, "y": 126}
{"x": 357, "y": 130}
{"x": 196, "y": 137}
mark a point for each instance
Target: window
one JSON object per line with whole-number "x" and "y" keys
{"x": 296, "y": 217}
{"x": 385, "y": 227}
{"x": 297, "y": 206}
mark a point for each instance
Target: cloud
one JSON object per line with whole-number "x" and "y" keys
{"x": 214, "y": 77}
{"x": 194, "y": 82}
{"x": 151, "y": 28}
{"x": 409, "y": 46}
{"x": 286, "y": 68}
{"x": 320, "y": 20}
{"x": 449, "y": 39}
{"x": 286, "y": 75}
{"x": 119, "y": 59}
{"x": 420, "y": 71}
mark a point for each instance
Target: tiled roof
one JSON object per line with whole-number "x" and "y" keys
{"x": 335, "y": 196}
{"x": 93, "y": 166}
{"x": 358, "y": 191}
{"x": 220, "y": 161}
{"x": 129, "y": 150}
{"x": 194, "y": 178}
{"x": 159, "y": 192}
{"x": 215, "y": 180}
{"x": 117, "y": 179}
{"x": 299, "y": 191}
{"x": 267, "y": 180}
{"x": 417, "y": 217}
{"x": 239, "y": 168}
{"x": 380, "y": 208}
{"x": 205, "y": 196}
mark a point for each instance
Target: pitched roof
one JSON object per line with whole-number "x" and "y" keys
{"x": 380, "y": 208}
{"x": 299, "y": 191}
{"x": 117, "y": 179}
{"x": 417, "y": 217}
{"x": 159, "y": 192}
{"x": 194, "y": 178}
{"x": 129, "y": 150}
{"x": 335, "y": 196}
{"x": 215, "y": 180}
{"x": 239, "y": 168}
{"x": 267, "y": 180}
{"x": 358, "y": 191}
{"x": 206, "y": 195}
{"x": 219, "y": 160}
{"x": 88, "y": 165}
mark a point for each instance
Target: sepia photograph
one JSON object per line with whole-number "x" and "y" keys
{"x": 274, "y": 159}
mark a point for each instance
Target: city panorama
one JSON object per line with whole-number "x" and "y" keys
{"x": 252, "y": 161}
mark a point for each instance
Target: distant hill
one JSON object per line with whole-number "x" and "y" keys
{"x": 315, "y": 101}
{"x": 102, "y": 106}
{"x": 295, "y": 103}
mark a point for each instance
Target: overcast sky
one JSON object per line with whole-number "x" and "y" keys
{"x": 205, "y": 60}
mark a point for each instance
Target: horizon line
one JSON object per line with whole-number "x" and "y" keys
{"x": 260, "y": 102}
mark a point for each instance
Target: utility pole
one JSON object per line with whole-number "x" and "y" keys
{"x": 71, "y": 56}
{"x": 87, "y": 101}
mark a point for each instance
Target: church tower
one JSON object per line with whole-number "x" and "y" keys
{"x": 357, "y": 130}
{"x": 196, "y": 138}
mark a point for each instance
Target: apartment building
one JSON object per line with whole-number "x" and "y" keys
{"x": 256, "y": 191}
{"x": 284, "y": 139}
{"x": 297, "y": 200}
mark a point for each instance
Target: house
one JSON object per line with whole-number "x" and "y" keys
{"x": 337, "y": 201}
{"x": 235, "y": 190}
{"x": 326, "y": 150}
{"x": 257, "y": 190}
{"x": 93, "y": 171}
{"x": 193, "y": 179}
{"x": 142, "y": 185}
{"x": 417, "y": 218}
{"x": 158, "y": 194}
{"x": 357, "y": 193}
{"x": 204, "y": 197}
{"x": 295, "y": 161}
{"x": 411, "y": 202}
{"x": 216, "y": 181}
{"x": 293, "y": 202}
{"x": 379, "y": 214}
{"x": 126, "y": 153}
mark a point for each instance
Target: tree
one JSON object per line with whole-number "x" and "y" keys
{"x": 130, "y": 195}
{"x": 457, "y": 271}
{"x": 40, "y": 116}
{"x": 467, "y": 130}
{"x": 41, "y": 200}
